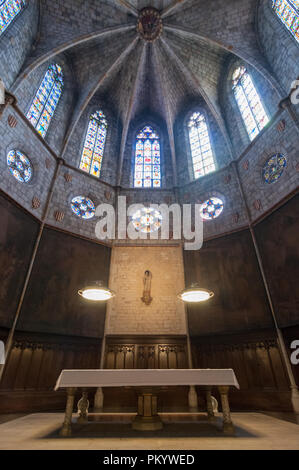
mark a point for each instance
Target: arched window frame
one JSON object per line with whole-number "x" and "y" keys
{"x": 41, "y": 111}
{"x": 203, "y": 113}
{"x": 88, "y": 164}
{"x": 287, "y": 11}
{"x": 6, "y": 8}
{"x": 259, "y": 125}
{"x": 155, "y": 129}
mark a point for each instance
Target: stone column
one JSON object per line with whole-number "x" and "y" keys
{"x": 66, "y": 429}
{"x": 228, "y": 427}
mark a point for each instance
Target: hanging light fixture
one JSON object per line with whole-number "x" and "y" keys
{"x": 96, "y": 292}
{"x": 195, "y": 294}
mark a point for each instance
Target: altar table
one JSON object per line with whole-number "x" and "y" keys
{"x": 145, "y": 381}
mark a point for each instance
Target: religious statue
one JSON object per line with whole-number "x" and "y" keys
{"x": 147, "y": 282}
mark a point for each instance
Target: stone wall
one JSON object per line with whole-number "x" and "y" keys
{"x": 16, "y": 42}
{"x": 127, "y": 314}
{"x": 278, "y": 45}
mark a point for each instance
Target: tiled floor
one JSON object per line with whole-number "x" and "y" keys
{"x": 253, "y": 431}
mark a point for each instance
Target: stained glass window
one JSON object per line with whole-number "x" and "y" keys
{"x": 147, "y": 220}
{"x": 19, "y": 166}
{"x": 249, "y": 102}
{"x": 46, "y": 99}
{"x": 274, "y": 168}
{"x": 201, "y": 150}
{"x": 211, "y": 208}
{"x": 288, "y": 12}
{"x": 147, "y": 159}
{"x": 83, "y": 207}
{"x": 93, "y": 150}
{"x": 9, "y": 9}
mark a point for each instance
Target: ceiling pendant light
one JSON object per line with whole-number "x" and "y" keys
{"x": 96, "y": 292}
{"x": 195, "y": 294}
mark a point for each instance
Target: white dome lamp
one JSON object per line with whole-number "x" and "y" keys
{"x": 195, "y": 294}
{"x": 96, "y": 292}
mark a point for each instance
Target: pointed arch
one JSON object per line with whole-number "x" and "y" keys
{"x": 46, "y": 99}
{"x": 201, "y": 149}
{"x": 249, "y": 102}
{"x": 94, "y": 144}
{"x": 147, "y": 167}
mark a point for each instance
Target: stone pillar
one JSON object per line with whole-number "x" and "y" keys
{"x": 228, "y": 427}
{"x": 66, "y": 429}
{"x": 98, "y": 400}
{"x": 192, "y": 399}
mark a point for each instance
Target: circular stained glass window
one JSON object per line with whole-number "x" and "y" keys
{"x": 83, "y": 207}
{"x": 274, "y": 168}
{"x": 147, "y": 220}
{"x": 19, "y": 166}
{"x": 211, "y": 208}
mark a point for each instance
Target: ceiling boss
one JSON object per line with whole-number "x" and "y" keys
{"x": 149, "y": 24}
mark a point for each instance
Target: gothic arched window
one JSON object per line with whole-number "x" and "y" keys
{"x": 253, "y": 112}
{"x": 288, "y": 12}
{"x": 147, "y": 172}
{"x": 9, "y": 9}
{"x": 93, "y": 150}
{"x": 46, "y": 99}
{"x": 201, "y": 150}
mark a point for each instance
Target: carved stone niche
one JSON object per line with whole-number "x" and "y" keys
{"x": 149, "y": 25}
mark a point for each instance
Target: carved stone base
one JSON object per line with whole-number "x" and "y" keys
{"x": 147, "y": 418}
{"x": 147, "y": 423}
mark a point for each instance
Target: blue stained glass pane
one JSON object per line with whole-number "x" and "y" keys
{"x": 19, "y": 166}
{"x": 211, "y": 208}
{"x": 94, "y": 145}
{"x": 9, "y": 9}
{"x": 274, "y": 168}
{"x": 251, "y": 108}
{"x": 46, "y": 99}
{"x": 288, "y": 12}
{"x": 83, "y": 207}
{"x": 147, "y": 172}
{"x": 200, "y": 146}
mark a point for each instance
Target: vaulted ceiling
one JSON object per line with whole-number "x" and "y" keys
{"x": 110, "y": 58}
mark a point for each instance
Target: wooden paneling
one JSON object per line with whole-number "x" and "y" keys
{"x": 64, "y": 264}
{"x": 227, "y": 266}
{"x": 34, "y": 366}
{"x": 257, "y": 363}
{"x": 18, "y": 232}
{"x": 146, "y": 352}
{"x": 277, "y": 237}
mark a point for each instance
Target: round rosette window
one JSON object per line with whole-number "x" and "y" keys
{"x": 83, "y": 207}
{"x": 19, "y": 166}
{"x": 274, "y": 168}
{"x": 211, "y": 208}
{"x": 147, "y": 220}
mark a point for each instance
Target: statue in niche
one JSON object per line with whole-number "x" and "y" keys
{"x": 147, "y": 283}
